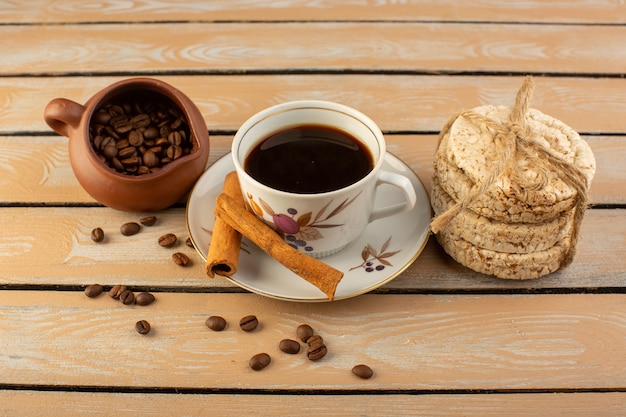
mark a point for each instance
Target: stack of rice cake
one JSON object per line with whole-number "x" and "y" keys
{"x": 521, "y": 226}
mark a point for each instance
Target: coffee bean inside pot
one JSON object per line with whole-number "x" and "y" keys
{"x": 140, "y": 132}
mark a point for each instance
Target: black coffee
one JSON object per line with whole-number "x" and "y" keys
{"x": 309, "y": 159}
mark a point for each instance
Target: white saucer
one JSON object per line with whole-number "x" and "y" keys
{"x": 400, "y": 239}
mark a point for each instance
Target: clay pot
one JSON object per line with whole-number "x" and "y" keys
{"x": 147, "y": 192}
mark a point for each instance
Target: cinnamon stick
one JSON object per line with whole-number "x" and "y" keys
{"x": 323, "y": 276}
{"x": 223, "y": 255}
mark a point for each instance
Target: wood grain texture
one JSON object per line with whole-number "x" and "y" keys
{"x": 337, "y": 46}
{"x": 36, "y": 169}
{"x": 456, "y": 342}
{"x": 54, "y": 247}
{"x": 48, "y": 11}
{"x": 398, "y": 103}
{"x": 68, "y": 404}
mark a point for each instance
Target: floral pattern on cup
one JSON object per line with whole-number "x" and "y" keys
{"x": 300, "y": 229}
{"x": 376, "y": 260}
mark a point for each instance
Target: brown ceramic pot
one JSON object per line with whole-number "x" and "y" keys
{"x": 147, "y": 192}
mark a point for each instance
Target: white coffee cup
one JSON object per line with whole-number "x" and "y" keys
{"x": 319, "y": 224}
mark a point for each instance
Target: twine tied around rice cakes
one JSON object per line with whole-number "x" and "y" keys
{"x": 514, "y": 139}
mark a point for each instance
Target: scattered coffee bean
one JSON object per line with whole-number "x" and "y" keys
{"x": 316, "y": 352}
{"x": 363, "y": 371}
{"x": 259, "y": 361}
{"x": 148, "y": 220}
{"x": 167, "y": 240}
{"x": 144, "y": 298}
{"x": 216, "y": 323}
{"x": 97, "y": 235}
{"x": 180, "y": 259}
{"x": 189, "y": 242}
{"x": 136, "y": 137}
{"x": 127, "y": 297}
{"x": 116, "y": 291}
{"x": 130, "y": 228}
{"x": 304, "y": 331}
{"x": 93, "y": 290}
{"x": 142, "y": 327}
{"x": 315, "y": 340}
{"x": 248, "y": 323}
{"x": 289, "y": 346}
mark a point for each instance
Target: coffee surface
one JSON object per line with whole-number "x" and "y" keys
{"x": 309, "y": 159}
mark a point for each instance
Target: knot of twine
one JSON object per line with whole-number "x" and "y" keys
{"x": 512, "y": 140}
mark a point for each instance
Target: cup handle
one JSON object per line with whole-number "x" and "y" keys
{"x": 63, "y": 115}
{"x": 405, "y": 185}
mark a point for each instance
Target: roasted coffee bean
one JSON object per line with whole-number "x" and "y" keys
{"x": 316, "y": 352}
{"x": 127, "y": 122}
{"x": 135, "y": 138}
{"x": 141, "y": 120}
{"x": 259, "y": 361}
{"x": 130, "y": 228}
{"x": 248, "y": 323}
{"x": 144, "y": 298}
{"x": 93, "y": 290}
{"x": 97, "y": 235}
{"x": 216, "y": 323}
{"x": 102, "y": 117}
{"x": 127, "y": 152}
{"x": 180, "y": 259}
{"x": 116, "y": 291}
{"x": 304, "y": 331}
{"x": 150, "y": 159}
{"x": 127, "y": 297}
{"x": 142, "y": 327}
{"x": 289, "y": 346}
{"x": 363, "y": 371}
{"x": 315, "y": 340}
{"x": 148, "y": 220}
{"x": 110, "y": 151}
{"x": 151, "y": 133}
{"x": 167, "y": 240}
{"x": 189, "y": 242}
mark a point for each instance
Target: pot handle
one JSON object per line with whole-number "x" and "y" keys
{"x": 63, "y": 115}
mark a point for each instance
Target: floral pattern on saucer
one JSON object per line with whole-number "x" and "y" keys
{"x": 376, "y": 260}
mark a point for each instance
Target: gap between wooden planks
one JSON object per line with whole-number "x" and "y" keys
{"x": 414, "y": 342}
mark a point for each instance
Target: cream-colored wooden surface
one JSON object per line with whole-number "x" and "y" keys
{"x": 442, "y": 340}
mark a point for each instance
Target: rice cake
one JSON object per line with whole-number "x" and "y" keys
{"x": 465, "y": 157}
{"x": 486, "y": 233}
{"x": 504, "y": 265}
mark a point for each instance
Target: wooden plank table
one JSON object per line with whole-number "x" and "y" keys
{"x": 442, "y": 339}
